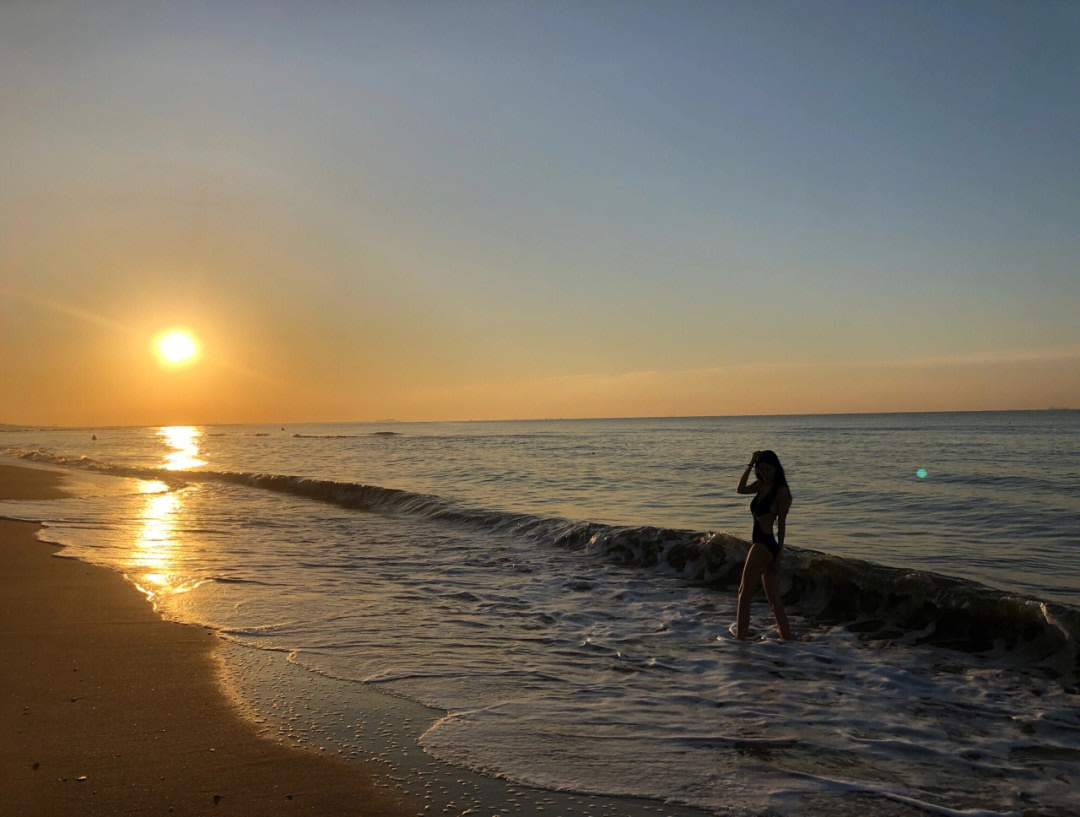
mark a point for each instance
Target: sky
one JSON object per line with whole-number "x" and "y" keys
{"x": 498, "y": 210}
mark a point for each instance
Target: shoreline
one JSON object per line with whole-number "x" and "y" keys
{"x": 242, "y": 701}
{"x": 110, "y": 709}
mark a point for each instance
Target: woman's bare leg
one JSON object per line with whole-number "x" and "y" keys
{"x": 772, "y": 593}
{"x": 756, "y": 561}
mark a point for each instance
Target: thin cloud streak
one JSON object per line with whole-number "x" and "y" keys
{"x": 1004, "y": 379}
{"x": 65, "y": 309}
{"x": 1062, "y": 353}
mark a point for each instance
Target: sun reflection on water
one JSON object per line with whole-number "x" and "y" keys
{"x": 152, "y": 553}
{"x": 185, "y": 443}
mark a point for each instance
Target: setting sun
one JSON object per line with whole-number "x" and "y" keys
{"x": 177, "y": 347}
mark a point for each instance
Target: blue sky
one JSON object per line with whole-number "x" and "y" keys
{"x": 369, "y": 200}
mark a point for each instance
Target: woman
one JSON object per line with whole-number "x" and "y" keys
{"x": 771, "y": 504}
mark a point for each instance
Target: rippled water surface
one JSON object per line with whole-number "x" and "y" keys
{"x": 561, "y": 662}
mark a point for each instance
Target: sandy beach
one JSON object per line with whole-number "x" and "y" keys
{"x": 109, "y": 709}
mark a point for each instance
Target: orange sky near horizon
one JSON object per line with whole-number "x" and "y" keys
{"x": 114, "y": 376}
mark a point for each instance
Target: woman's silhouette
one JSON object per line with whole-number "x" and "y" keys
{"x": 771, "y": 504}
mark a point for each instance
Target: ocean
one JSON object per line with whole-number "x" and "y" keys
{"x": 539, "y": 611}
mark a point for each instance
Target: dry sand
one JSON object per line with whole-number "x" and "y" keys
{"x": 108, "y": 709}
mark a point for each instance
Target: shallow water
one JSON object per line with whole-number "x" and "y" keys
{"x": 999, "y": 503}
{"x": 552, "y": 658}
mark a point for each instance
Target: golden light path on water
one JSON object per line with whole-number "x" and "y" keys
{"x": 152, "y": 556}
{"x": 184, "y": 441}
{"x": 152, "y": 552}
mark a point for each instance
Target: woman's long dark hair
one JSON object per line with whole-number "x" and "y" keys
{"x": 779, "y": 478}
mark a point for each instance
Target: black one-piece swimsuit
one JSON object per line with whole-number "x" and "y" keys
{"x": 760, "y": 535}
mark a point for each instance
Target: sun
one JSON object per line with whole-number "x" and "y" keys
{"x": 177, "y": 347}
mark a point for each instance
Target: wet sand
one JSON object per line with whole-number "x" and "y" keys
{"x": 108, "y": 709}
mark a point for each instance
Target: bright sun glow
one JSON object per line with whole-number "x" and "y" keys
{"x": 177, "y": 347}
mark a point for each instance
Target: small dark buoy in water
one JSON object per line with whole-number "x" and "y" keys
{"x": 93, "y": 436}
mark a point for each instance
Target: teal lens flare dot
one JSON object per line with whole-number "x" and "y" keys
{"x": 920, "y": 473}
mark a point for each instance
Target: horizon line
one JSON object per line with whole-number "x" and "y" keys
{"x": 32, "y": 426}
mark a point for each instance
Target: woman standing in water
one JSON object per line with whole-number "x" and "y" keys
{"x": 771, "y": 504}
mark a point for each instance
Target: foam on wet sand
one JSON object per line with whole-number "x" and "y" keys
{"x": 107, "y": 708}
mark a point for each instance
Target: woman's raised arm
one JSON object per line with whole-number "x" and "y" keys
{"x": 743, "y": 487}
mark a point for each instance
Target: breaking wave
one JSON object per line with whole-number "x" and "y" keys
{"x": 879, "y": 602}
{"x": 346, "y": 436}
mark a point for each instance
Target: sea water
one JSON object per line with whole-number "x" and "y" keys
{"x": 556, "y": 597}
